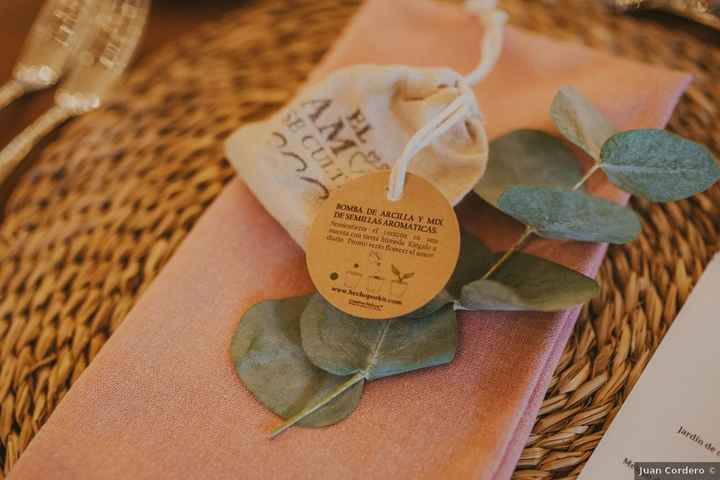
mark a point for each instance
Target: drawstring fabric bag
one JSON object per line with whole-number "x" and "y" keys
{"x": 365, "y": 118}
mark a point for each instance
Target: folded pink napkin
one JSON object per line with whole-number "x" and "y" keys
{"x": 161, "y": 400}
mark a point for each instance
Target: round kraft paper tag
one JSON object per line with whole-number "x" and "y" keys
{"x": 377, "y": 259}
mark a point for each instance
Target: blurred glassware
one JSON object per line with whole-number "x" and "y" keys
{"x": 55, "y": 37}
{"x": 706, "y": 12}
{"x": 117, "y": 27}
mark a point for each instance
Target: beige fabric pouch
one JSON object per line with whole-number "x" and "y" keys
{"x": 362, "y": 119}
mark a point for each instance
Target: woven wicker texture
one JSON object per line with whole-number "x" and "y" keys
{"x": 106, "y": 204}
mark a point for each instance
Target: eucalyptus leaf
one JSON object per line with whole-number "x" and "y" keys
{"x": 269, "y": 359}
{"x": 529, "y": 283}
{"x": 658, "y": 165}
{"x": 440, "y": 301}
{"x": 580, "y": 122}
{"x": 345, "y": 345}
{"x": 527, "y": 157}
{"x": 570, "y": 215}
{"x": 474, "y": 260}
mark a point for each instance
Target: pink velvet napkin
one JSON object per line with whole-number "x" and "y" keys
{"x": 162, "y": 400}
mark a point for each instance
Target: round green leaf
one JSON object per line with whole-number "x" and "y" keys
{"x": 474, "y": 260}
{"x": 658, "y": 165}
{"x": 269, "y": 359}
{"x": 569, "y": 215}
{"x": 343, "y": 345}
{"x": 528, "y": 283}
{"x": 440, "y": 301}
{"x": 580, "y": 122}
{"x": 527, "y": 157}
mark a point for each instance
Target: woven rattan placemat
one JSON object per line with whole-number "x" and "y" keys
{"x": 105, "y": 205}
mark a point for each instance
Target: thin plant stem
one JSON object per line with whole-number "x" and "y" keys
{"x": 516, "y": 246}
{"x": 358, "y": 377}
{"x": 586, "y": 176}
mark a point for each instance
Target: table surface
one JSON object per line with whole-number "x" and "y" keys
{"x": 169, "y": 19}
{"x": 172, "y": 18}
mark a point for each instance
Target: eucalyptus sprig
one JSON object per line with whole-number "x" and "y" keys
{"x": 308, "y": 362}
{"x": 651, "y": 163}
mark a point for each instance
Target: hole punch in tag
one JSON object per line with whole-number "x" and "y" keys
{"x": 375, "y": 258}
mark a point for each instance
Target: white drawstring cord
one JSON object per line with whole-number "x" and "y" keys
{"x": 494, "y": 21}
{"x": 443, "y": 122}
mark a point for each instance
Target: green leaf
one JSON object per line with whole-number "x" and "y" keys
{"x": 527, "y": 157}
{"x": 580, "y": 122}
{"x": 269, "y": 359}
{"x": 569, "y": 215}
{"x": 441, "y": 300}
{"x": 528, "y": 283}
{"x": 474, "y": 260}
{"x": 658, "y": 165}
{"x": 344, "y": 345}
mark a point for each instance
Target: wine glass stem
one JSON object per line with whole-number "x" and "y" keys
{"x": 21, "y": 145}
{"x": 10, "y": 92}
